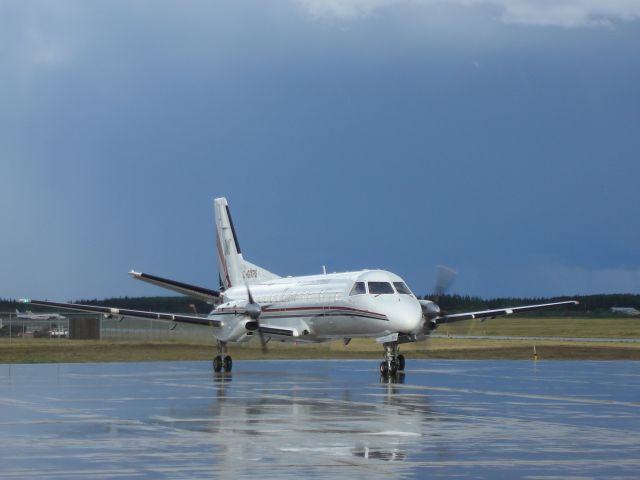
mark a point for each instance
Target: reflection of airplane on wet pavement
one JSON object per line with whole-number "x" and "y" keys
{"x": 317, "y": 308}
{"x": 378, "y": 422}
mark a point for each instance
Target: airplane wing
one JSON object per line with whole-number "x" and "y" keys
{"x": 457, "y": 317}
{"x": 170, "y": 317}
{"x": 205, "y": 294}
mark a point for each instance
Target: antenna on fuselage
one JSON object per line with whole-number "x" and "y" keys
{"x": 324, "y": 270}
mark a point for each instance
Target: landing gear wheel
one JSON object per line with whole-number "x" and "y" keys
{"x": 388, "y": 368}
{"x": 393, "y": 362}
{"x": 384, "y": 369}
{"x": 227, "y": 363}
{"x": 217, "y": 364}
{"x": 393, "y": 367}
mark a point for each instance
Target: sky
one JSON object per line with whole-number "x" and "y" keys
{"x": 498, "y": 137}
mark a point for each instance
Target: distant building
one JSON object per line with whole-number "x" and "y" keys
{"x": 625, "y": 310}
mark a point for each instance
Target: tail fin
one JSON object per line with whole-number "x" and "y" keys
{"x": 234, "y": 270}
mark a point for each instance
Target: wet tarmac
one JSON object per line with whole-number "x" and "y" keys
{"x": 321, "y": 419}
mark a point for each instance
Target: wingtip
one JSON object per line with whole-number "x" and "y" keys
{"x": 135, "y": 274}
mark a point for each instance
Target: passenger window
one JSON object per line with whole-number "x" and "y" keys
{"x": 358, "y": 289}
{"x": 401, "y": 287}
{"x": 376, "y": 288}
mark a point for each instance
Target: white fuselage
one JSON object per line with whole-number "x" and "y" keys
{"x": 323, "y": 307}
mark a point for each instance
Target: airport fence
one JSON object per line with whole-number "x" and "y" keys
{"x": 82, "y": 326}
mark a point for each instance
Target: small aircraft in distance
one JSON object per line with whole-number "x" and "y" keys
{"x": 29, "y": 315}
{"x": 316, "y": 308}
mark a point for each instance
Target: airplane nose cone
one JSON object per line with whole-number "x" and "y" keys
{"x": 407, "y": 315}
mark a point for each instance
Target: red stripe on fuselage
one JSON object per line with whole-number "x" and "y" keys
{"x": 324, "y": 309}
{"x": 292, "y": 312}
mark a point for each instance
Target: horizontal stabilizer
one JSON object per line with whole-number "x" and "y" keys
{"x": 169, "y": 317}
{"x": 202, "y": 293}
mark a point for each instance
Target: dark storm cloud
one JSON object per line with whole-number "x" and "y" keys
{"x": 485, "y": 135}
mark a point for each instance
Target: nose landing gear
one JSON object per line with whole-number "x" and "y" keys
{"x": 222, "y": 360}
{"x": 393, "y": 362}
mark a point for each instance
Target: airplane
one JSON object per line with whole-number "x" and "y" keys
{"x": 29, "y": 315}
{"x": 254, "y": 302}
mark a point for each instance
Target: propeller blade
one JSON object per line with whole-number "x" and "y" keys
{"x": 254, "y": 310}
{"x": 430, "y": 308}
{"x": 263, "y": 342}
{"x": 472, "y": 326}
{"x": 444, "y": 278}
{"x": 249, "y": 292}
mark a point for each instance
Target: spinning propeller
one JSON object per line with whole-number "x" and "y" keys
{"x": 430, "y": 309}
{"x": 444, "y": 278}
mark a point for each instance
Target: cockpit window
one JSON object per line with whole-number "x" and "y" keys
{"x": 376, "y": 288}
{"x": 401, "y": 287}
{"x": 358, "y": 289}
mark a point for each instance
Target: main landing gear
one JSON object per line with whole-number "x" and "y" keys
{"x": 222, "y": 360}
{"x": 393, "y": 360}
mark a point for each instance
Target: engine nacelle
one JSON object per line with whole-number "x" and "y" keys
{"x": 429, "y": 309}
{"x": 251, "y": 326}
{"x": 234, "y": 329}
